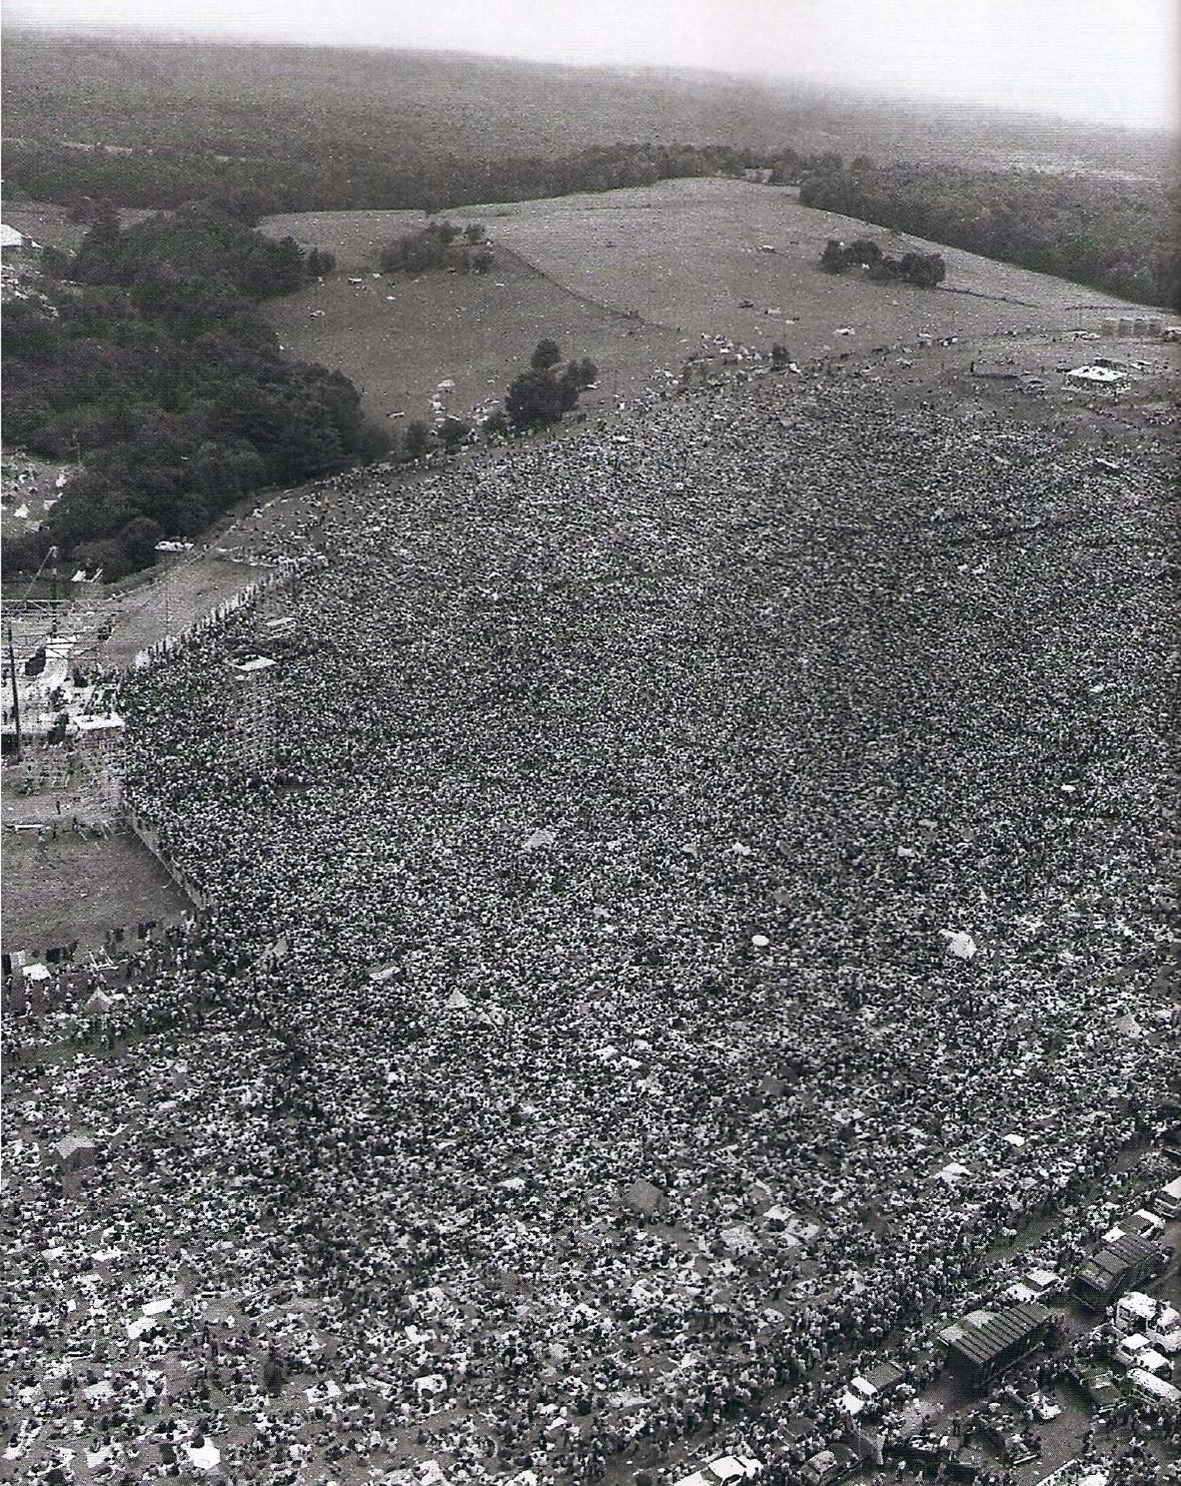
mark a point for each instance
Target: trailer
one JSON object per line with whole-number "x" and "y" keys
{"x": 984, "y": 1346}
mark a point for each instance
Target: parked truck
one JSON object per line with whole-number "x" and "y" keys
{"x": 985, "y": 1345}
{"x": 1116, "y": 1268}
{"x": 1152, "y": 1318}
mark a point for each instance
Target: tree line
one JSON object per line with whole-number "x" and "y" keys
{"x": 1115, "y": 235}
{"x": 144, "y": 358}
{"x": 354, "y": 178}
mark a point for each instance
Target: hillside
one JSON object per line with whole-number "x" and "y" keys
{"x": 635, "y": 279}
{"x": 149, "y": 123}
{"x": 641, "y": 779}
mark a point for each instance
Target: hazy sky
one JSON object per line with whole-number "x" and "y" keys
{"x": 1116, "y": 60}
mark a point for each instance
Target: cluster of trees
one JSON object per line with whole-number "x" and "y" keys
{"x": 540, "y": 396}
{"x": 147, "y": 361}
{"x": 439, "y": 245}
{"x": 537, "y": 398}
{"x": 1119, "y": 236}
{"x": 204, "y": 242}
{"x": 924, "y": 270}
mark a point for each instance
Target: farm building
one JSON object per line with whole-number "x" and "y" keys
{"x": 10, "y": 238}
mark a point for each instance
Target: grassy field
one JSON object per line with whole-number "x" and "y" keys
{"x": 179, "y": 596}
{"x": 682, "y": 256}
{"x": 398, "y": 337}
{"x": 76, "y": 888}
{"x": 355, "y": 238}
{"x": 688, "y": 252}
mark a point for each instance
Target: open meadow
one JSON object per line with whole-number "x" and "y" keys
{"x": 398, "y": 337}
{"x": 635, "y": 278}
{"x": 688, "y": 252}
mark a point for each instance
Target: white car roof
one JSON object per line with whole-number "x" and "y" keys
{"x": 728, "y": 1467}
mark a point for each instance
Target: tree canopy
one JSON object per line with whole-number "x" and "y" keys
{"x": 148, "y": 360}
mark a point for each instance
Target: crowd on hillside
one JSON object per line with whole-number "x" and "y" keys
{"x": 709, "y": 900}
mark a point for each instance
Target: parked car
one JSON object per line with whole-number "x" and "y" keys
{"x": 1041, "y": 1285}
{"x": 725, "y": 1469}
{"x": 1006, "y": 1435}
{"x": 826, "y": 1467}
{"x": 1097, "y": 1385}
{"x": 1135, "y": 1350}
{"x": 868, "y": 1389}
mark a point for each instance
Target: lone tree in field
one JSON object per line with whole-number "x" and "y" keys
{"x": 535, "y": 399}
{"x": 417, "y": 439}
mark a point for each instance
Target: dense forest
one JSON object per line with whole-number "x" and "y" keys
{"x": 157, "y": 123}
{"x": 145, "y": 357}
{"x": 1112, "y": 234}
{"x": 158, "y": 180}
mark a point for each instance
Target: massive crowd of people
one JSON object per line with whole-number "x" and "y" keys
{"x": 710, "y": 899}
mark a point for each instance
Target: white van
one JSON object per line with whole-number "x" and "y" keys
{"x": 1137, "y": 1352}
{"x": 1156, "y": 1390}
